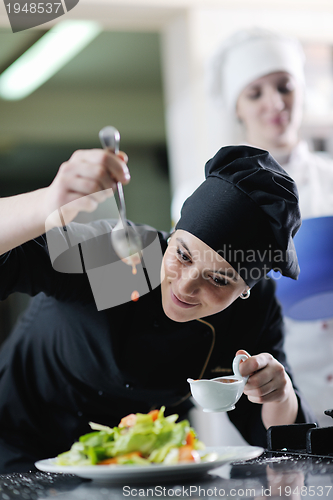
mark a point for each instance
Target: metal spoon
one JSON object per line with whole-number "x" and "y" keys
{"x": 125, "y": 239}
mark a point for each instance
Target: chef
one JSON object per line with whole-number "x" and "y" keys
{"x": 258, "y": 86}
{"x": 259, "y": 75}
{"x": 70, "y": 361}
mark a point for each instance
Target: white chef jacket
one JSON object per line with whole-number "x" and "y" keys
{"x": 309, "y": 344}
{"x": 313, "y": 174}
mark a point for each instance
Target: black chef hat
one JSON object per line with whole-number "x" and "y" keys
{"x": 246, "y": 210}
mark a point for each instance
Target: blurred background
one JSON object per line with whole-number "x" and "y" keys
{"x": 144, "y": 74}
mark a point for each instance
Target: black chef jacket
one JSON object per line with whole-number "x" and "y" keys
{"x": 67, "y": 363}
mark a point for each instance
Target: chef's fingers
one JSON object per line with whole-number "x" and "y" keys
{"x": 271, "y": 394}
{"x": 87, "y": 172}
{"x": 108, "y": 164}
{"x": 91, "y": 179}
{"x": 68, "y": 186}
{"x": 254, "y": 363}
{"x": 90, "y": 174}
{"x": 268, "y": 384}
{"x": 95, "y": 172}
{"x": 123, "y": 156}
{"x": 242, "y": 351}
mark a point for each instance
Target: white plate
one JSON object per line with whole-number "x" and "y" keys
{"x": 151, "y": 473}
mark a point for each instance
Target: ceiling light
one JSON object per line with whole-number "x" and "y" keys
{"x": 50, "y": 53}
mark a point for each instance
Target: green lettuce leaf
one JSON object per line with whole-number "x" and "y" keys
{"x": 154, "y": 440}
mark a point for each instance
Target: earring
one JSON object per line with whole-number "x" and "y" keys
{"x": 245, "y": 295}
{"x": 168, "y": 240}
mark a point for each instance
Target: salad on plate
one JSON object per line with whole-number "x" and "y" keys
{"x": 139, "y": 439}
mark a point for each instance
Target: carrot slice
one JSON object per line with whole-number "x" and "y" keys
{"x": 188, "y": 454}
{"x": 190, "y": 438}
{"x": 115, "y": 460}
{"x": 108, "y": 461}
{"x": 154, "y": 414}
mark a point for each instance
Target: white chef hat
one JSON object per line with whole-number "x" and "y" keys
{"x": 250, "y": 54}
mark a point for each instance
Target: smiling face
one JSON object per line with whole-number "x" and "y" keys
{"x": 195, "y": 281}
{"x": 271, "y": 110}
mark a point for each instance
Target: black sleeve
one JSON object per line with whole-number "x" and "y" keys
{"x": 266, "y": 326}
{"x": 24, "y": 268}
{"x": 28, "y": 269}
{"x": 56, "y": 263}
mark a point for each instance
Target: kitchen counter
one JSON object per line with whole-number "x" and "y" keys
{"x": 273, "y": 475}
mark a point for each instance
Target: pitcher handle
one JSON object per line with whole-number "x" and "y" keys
{"x": 235, "y": 365}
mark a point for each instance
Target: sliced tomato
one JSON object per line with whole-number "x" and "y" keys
{"x": 188, "y": 454}
{"x": 128, "y": 421}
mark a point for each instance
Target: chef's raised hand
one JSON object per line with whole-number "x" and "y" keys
{"x": 269, "y": 385}
{"x": 87, "y": 179}
{"x": 267, "y": 381}
{"x": 82, "y": 182}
